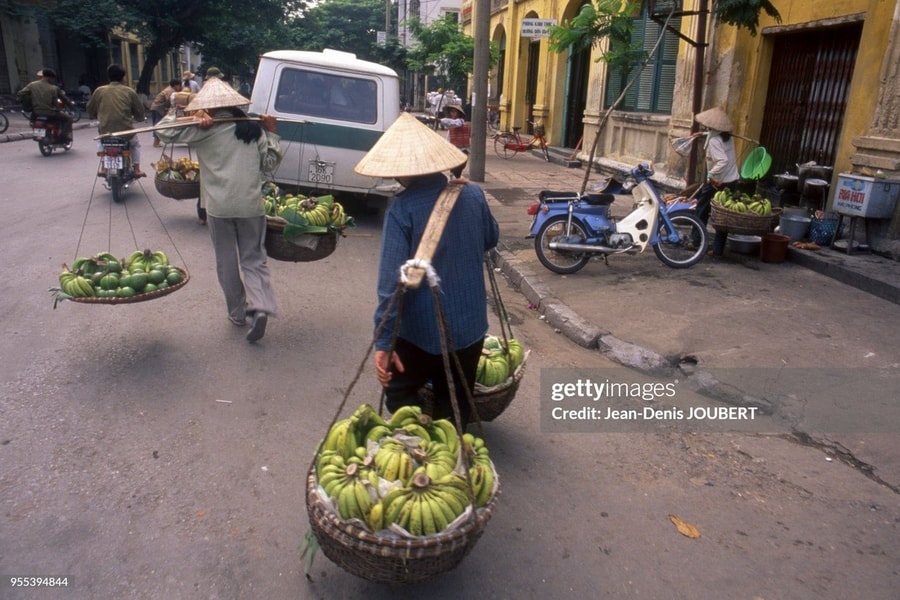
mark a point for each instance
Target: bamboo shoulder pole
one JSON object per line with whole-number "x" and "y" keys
{"x": 191, "y": 123}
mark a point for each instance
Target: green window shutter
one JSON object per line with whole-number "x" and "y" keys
{"x": 653, "y": 90}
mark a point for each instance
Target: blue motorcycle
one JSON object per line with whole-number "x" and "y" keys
{"x": 570, "y": 228}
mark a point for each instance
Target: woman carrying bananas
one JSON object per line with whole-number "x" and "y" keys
{"x": 234, "y": 158}
{"x": 721, "y": 163}
{"x": 419, "y": 158}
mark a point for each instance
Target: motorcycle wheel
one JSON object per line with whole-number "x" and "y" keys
{"x": 4, "y": 122}
{"x": 75, "y": 113}
{"x": 563, "y": 262}
{"x": 691, "y": 245}
{"x": 45, "y": 147}
{"x": 117, "y": 187}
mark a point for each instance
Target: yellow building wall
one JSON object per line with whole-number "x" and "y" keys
{"x": 549, "y": 101}
{"x": 752, "y": 55}
{"x": 735, "y": 76}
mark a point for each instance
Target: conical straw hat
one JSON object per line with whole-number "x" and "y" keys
{"x": 715, "y": 118}
{"x": 409, "y": 148}
{"x": 215, "y": 93}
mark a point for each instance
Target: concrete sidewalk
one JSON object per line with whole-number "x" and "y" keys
{"x": 814, "y": 309}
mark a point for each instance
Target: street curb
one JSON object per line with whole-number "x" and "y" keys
{"x": 565, "y": 321}
{"x": 871, "y": 283}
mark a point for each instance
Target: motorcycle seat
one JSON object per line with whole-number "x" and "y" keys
{"x": 548, "y": 196}
{"x": 599, "y": 199}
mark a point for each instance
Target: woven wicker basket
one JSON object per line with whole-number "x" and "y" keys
{"x": 176, "y": 189}
{"x": 138, "y": 297}
{"x": 387, "y": 558}
{"x": 305, "y": 249}
{"x": 731, "y": 221}
{"x": 491, "y": 402}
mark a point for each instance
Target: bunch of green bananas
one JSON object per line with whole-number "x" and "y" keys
{"x": 75, "y": 285}
{"x": 425, "y": 507}
{"x": 499, "y": 359}
{"x": 349, "y": 484}
{"x": 347, "y": 435}
{"x": 481, "y": 469}
{"x": 436, "y": 458}
{"x": 146, "y": 260}
{"x": 393, "y": 461}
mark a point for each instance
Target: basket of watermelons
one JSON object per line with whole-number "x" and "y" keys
{"x": 303, "y": 228}
{"x": 177, "y": 179}
{"x": 398, "y": 500}
{"x": 104, "y": 279}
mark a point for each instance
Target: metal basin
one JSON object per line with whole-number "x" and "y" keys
{"x": 744, "y": 244}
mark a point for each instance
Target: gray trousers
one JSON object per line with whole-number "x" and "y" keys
{"x": 241, "y": 265}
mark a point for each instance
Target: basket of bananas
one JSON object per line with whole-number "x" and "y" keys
{"x": 501, "y": 367}
{"x": 301, "y": 228}
{"x": 177, "y": 179}
{"x": 104, "y": 279}
{"x": 399, "y": 500}
{"x": 742, "y": 213}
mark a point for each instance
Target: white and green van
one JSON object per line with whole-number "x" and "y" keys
{"x": 331, "y": 108}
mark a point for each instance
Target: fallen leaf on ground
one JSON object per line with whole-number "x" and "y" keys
{"x": 684, "y": 528}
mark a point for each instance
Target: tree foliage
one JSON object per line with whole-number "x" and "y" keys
{"x": 745, "y": 13}
{"x": 221, "y": 29}
{"x": 444, "y": 50}
{"x": 608, "y": 20}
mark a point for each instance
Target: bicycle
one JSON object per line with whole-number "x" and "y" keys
{"x": 4, "y": 120}
{"x": 507, "y": 144}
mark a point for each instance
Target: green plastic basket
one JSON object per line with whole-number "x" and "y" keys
{"x": 757, "y": 164}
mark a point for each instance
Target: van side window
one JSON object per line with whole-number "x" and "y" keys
{"x": 328, "y": 96}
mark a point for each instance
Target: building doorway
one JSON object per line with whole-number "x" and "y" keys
{"x": 807, "y": 98}
{"x": 576, "y": 97}
{"x": 531, "y": 82}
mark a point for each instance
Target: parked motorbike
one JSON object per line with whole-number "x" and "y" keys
{"x": 569, "y": 229}
{"x": 116, "y": 165}
{"x": 47, "y": 132}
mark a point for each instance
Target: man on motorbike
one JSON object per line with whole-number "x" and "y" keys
{"x": 41, "y": 98}
{"x": 117, "y": 106}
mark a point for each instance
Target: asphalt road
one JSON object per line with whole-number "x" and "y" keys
{"x": 149, "y": 451}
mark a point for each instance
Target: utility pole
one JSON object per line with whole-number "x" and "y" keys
{"x": 481, "y": 24}
{"x": 387, "y": 19}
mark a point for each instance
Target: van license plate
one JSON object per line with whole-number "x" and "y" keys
{"x": 112, "y": 162}
{"x": 321, "y": 172}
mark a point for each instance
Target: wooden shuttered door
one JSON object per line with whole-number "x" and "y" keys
{"x": 807, "y": 98}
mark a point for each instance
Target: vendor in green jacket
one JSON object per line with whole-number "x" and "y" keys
{"x": 235, "y": 158}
